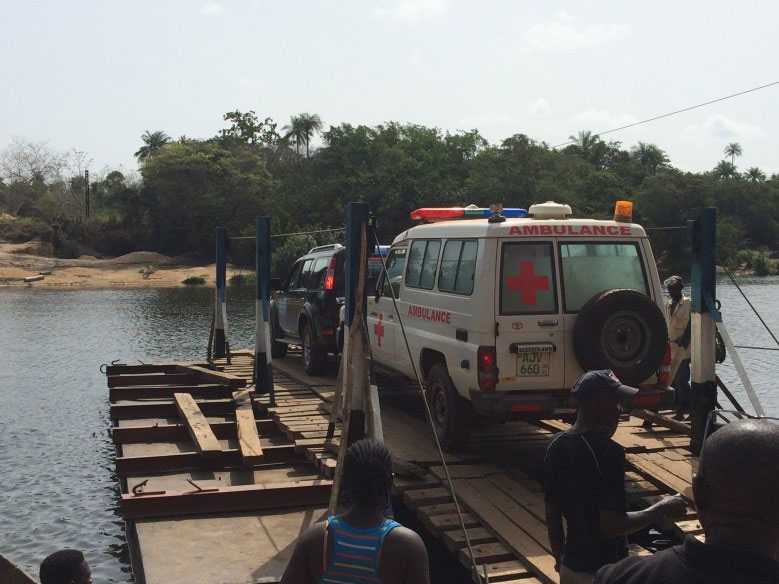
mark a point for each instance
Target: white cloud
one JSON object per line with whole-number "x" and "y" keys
{"x": 602, "y": 120}
{"x": 540, "y": 107}
{"x": 561, "y": 34}
{"x": 412, "y": 10}
{"x": 720, "y": 128}
{"x": 211, "y": 8}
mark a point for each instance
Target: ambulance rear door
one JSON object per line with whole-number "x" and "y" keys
{"x": 530, "y": 343}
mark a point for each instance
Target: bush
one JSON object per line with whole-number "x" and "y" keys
{"x": 243, "y": 280}
{"x": 24, "y": 229}
{"x": 195, "y": 281}
{"x": 761, "y": 265}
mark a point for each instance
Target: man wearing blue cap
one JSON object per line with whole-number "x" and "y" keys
{"x": 585, "y": 484}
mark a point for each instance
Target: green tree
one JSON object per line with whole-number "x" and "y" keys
{"x": 152, "y": 144}
{"x": 725, "y": 170}
{"x": 754, "y": 175}
{"x": 649, "y": 156}
{"x": 295, "y": 132}
{"x": 733, "y": 149}
{"x": 248, "y": 128}
{"x": 310, "y": 124}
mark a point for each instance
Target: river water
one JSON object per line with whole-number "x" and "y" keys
{"x": 57, "y": 487}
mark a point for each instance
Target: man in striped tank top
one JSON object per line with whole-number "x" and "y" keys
{"x": 362, "y": 546}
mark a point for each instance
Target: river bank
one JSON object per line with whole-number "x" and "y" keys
{"x": 134, "y": 270}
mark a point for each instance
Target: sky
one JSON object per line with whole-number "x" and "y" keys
{"x": 95, "y": 75}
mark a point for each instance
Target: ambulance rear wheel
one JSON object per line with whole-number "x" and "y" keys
{"x": 451, "y": 414}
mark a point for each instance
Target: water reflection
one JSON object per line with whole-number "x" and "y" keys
{"x": 58, "y": 487}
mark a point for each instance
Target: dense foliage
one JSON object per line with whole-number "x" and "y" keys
{"x": 188, "y": 187}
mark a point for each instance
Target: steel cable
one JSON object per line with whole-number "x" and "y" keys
{"x": 429, "y": 416}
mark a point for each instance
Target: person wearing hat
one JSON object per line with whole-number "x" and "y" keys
{"x": 677, "y": 311}
{"x": 584, "y": 482}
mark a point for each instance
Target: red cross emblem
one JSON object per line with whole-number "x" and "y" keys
{"x": 378, "y": 329}
{"x": 527, "y": 283}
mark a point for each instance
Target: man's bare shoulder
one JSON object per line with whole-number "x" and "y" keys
{"x": 403, "y": 540}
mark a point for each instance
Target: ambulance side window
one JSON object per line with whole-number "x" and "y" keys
{"x": 527, "y": 279}
{"x": 422, "y": 263}
{"x": 396, "y": 264}
{"x": 458, "y": 265}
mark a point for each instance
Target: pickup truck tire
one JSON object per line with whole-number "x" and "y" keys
{"x": 451, "y": 414}
{"x": 314, "y": 356}
{"x": 621, "y": 330}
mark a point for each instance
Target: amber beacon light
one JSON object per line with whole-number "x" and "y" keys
{"x": 623, "y": 211}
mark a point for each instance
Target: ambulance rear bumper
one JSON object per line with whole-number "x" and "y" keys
{"x": 535, "y": 404}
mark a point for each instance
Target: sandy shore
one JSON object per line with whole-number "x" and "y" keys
{"x": 135, "y": 270}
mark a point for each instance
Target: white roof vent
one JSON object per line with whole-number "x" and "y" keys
{"x": 550, "y": 210}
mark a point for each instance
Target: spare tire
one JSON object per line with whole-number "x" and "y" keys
{"x": 621, "y": 330}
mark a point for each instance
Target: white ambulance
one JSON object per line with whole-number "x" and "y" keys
{"x": 504, "y": 312}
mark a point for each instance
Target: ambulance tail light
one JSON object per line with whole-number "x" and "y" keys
{"x": 488, "y": 368}
{"x": 664, "y": 373}
{"x": 330, "y": 275}
{"x": 623, "y": 211}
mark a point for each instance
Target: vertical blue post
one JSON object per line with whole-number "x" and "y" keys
{"x": 220, "y": 307}
{"x": 356, "y": 221}
{"x": 263, "y": 374}
{"x": 704, "y": 317}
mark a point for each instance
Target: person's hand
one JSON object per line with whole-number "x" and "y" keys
{"x": 673, "y": 508}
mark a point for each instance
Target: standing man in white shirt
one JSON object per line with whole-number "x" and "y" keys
{"x": 677, "y": 312}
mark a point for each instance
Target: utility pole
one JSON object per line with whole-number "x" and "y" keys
{"x": 705, "y": 315}
{"x": 86, "y": 194}
{"x": 263, "y": 374}
{"x": 220, "y": 304}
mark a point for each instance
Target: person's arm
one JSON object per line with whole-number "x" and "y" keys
{"x": 417, "y": 563}
{"x": 554, "y": 527}
{"x": 299, "y": 567}
{"x": 616, "y": 524}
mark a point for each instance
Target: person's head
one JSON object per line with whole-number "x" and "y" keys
{"x": 735, "y": 485}
{"x": 65, "y": 567}
{"x": 599, "y": 395}
{"x": 674, "y": 285}
{"x": 367, "y": 474}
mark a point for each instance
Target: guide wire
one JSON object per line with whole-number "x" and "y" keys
{"x": 757, "y": 314}
{"x": 429, "y": 415}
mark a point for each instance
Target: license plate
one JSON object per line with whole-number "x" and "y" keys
{"x": 533, "y": 364}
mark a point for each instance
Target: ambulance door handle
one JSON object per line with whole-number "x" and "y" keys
{"x": 548, "y": 322}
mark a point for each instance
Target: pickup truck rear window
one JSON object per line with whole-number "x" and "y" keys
{"x": 589, "y": 268}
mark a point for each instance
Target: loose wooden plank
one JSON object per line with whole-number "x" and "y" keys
{"x": 522, "y": 544}
{"x": 660, "y": 475}
{"x": 417, "y": 497}
{"x": 486, "y": 553}
{"x": 209, "y": 391}
{"x": 269, "y": 496}
{"x": 510, "y": 570}
{"x": 197, "y": 425}
{"x": 179, "y": 433}
{"x": 167, "y": 409}
{"x": 465, "y": 471}
{"x": 214, "y": 376}
{"x": 248, "y": 438}
{"x": 455, "y": 538}
{"x": 129, "y": 380}
{"x": 438, "y": 523}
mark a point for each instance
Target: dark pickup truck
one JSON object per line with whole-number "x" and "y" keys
{"x": 305, "y": 309}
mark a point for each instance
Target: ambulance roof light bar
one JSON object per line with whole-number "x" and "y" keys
{"x": 469, "y": 212}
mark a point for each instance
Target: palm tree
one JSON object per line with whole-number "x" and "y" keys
{"x": 649, "y": 156}
{"x": 585, "y": 140}
{"x": 733, "y": 149}
{"x": 725, "y": 169}
{"x": 295, "y": 131}
{"x": 152, "y": 143}
{"x": 312, "y": 124}
{"x": 754, "y": 175}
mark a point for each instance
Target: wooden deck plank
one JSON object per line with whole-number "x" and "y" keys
{"x": 179, "y": 433}
{"x": 221, "y": 377}
{"x": 248, "y": 438}
{"x": 197, "y": 425}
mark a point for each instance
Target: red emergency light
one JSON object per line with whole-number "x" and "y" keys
{"x": 472, "y": 212}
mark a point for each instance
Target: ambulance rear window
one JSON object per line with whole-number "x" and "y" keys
{"x": 527, "y": 283}
{"x": 589, "y": 268}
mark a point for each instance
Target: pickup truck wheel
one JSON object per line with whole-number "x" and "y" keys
{"x": 277, "y": 349}
{"x": 451, "y": 414}
{"x": 621, "y": 330}
{"x": 314, "y": 356}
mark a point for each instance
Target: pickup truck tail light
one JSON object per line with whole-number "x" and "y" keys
{"x": 330, "y": 275}
{"x": 488, "y": 368}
